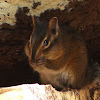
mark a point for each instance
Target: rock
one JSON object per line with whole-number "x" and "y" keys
{"x": 47, "y": 92}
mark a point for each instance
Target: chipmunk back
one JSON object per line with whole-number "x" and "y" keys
{"x": 58, "y": 53}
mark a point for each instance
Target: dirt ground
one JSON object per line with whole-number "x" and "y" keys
{"x": 14, "y": 67}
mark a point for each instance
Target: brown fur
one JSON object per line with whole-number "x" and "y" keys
{"x": 63, "y": 62}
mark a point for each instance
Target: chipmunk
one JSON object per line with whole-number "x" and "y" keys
{"x": 58, "y": 53}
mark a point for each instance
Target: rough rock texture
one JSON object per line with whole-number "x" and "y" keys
{"x": 47, "y": 92}
{"x": 8, "y": 8}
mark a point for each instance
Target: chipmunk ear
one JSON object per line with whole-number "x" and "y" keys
{"x": 53, "y": 25}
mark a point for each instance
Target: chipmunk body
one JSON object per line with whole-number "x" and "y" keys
{"x": 58, "y": 54}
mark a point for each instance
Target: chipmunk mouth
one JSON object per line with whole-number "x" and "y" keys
{"x": 37, "y": 63}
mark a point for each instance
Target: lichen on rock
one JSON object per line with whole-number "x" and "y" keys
{"x": 8, "y": 8}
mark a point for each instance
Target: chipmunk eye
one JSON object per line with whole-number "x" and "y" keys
{"x": 45, "y": 43}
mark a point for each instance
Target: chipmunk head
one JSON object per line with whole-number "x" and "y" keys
{"x": 45, "y": 41}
